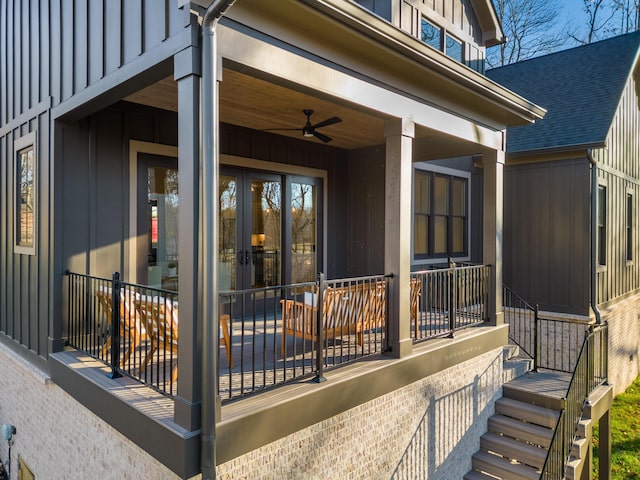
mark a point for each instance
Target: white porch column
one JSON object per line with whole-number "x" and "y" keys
{"x": 493, "y": 189}
{"x": 397, "y": 234}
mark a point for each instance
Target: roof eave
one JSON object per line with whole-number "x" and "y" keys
{"x": 580, "y": 148}
{"x": 351, "y": 14}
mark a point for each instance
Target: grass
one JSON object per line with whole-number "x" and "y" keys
{"x": 625, "y": 436}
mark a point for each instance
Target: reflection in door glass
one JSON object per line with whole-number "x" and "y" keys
{"x": 303, "y": 233}
{"x": 162, "y": 262}
{"x": 228, "y": 208}
{"x": 265, "y": 232}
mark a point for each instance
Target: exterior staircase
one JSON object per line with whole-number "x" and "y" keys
{"x": 520, "y": 432}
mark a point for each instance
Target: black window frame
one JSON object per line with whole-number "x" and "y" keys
{"x": 432, "y": 214}
{"x": 629, "y": 227}
{"x": 602, "y": 225}
{"x": 22, "y": 146}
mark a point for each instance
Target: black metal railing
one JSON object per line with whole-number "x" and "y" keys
{"x": 522, "y": 318}
{"x": 553, "y": 344}
{"x": 291, "y": 332}
{"x": 131, "y": 328}
{"x": 448, "y": 299}
{"x": 590, "y": 372}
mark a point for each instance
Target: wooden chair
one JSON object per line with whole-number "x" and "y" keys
{"x": 345, "y": 310}
{"x": 161, "y": 316}
{"x": 132, "y": 329}
{"x": 416, "y": 292}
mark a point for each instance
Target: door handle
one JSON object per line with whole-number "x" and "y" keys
{"x": 243, "y": 257}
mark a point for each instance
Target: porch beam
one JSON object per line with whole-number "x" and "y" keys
{"x": 399, "y": 134}
{"x": 285, "y": 65}
{"x": 187, "y": 74}
{"x": 492, "y": 224}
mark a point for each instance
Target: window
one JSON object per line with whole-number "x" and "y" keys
{"x": 25, "y": 213}
{"x": 454, "y": 48}
{"x": 602, "y": 225}
{"x": 440, "y": 215}
{"x": 629, "y": 227}
{"x": 431, "y": 35}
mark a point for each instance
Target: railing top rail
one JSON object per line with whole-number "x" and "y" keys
{"x": 519, "y": 298}
{"x": 574, "y": 384}
{"x": 447, "y": 268}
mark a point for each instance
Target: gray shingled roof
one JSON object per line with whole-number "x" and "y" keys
{"x": 580, "y": 88}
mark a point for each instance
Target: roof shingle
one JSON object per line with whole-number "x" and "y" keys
{"x": 580, "y": 88}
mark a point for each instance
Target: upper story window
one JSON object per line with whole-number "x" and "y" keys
{"x": 25, "y": 213}
{"x": 440, "y": 215}
{"x": 431, "y": 34}
{"x": 454, "y": 48}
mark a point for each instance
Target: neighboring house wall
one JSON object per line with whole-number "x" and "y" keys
{"x": 547, "y": 234}
{"x": 619, "y": 172}
{"x": 429, "y": 429}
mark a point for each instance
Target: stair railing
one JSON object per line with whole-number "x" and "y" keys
{"x": 591, "y": 371}
{"x": 523, "y": 320}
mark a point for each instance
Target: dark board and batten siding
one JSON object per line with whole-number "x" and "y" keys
{"x": 52, "y": 53}
{"x": 619, "y": 171}
{"x": 456, "y": 16}
{"x": 546, "y": 234}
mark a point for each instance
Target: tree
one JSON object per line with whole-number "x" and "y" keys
{"x": 607, "y": 18}
{"x": 628, "y": 15}
{"x": 529, "y": 26}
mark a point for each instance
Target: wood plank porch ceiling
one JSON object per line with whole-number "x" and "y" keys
{"x": 259, "y": 104}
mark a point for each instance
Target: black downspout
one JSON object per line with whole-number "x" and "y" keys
{"x": 594, "y": 234}
{"x": 208, "y": 294}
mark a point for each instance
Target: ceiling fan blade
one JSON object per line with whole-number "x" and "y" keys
{"x": 322, "y": 137}
{"x": 328, "y": 121}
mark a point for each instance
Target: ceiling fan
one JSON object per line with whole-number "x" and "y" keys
{"x": 309, "y": 130}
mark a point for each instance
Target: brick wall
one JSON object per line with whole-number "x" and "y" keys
{"x": 429, "y": 429}
{"x": 57, "y": 437}
{"x": 624, "y": 342}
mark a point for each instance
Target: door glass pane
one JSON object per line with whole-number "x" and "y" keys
{"x": 162, "y": 260}
{"x": 303, "y": 233}
{"x": 228, "y": 208}
{"x": 266, "y": 231}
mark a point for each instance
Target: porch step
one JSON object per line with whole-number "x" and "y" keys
{"x": 509, "y": 448}
{"x": 516, "y": 367}
{"x": 516, "y": 429}
{"x": 580, "y": 448}
{"x": 544, "y": 417}
{"x": 574, "y": 469}
{"x": 503, "y": 468}
{"x": 510, "y": 351}
{"x": 475, "y": 475}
